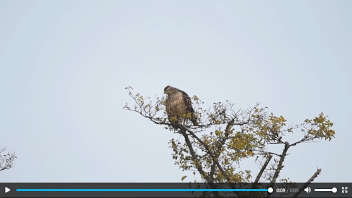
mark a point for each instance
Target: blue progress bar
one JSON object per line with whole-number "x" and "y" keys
{"x": 137, "y": 190}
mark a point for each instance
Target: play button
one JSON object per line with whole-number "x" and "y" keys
{"x": 7, "y": 189}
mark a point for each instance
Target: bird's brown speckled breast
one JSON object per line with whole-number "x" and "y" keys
{"x": 175, "y": 105}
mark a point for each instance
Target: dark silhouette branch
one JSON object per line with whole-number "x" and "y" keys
{"x": 212, "y": 172}
{"x": 194, "y": 156}
{"x": 304, "y": 139}
{"x": 311, "y": 179}
{"x": 262, "y": 170}
{"x": 266, "y": 153}
{"x": 208, "y": 151}
{"x": 227, "y": 133}
{"x": 280, "y": 164}
{"x": 196, "y": 162}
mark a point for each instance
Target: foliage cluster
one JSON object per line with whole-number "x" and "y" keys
{"x": 227, "y": 135}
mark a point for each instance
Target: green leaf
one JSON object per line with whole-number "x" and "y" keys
{"x": 183, "y": 177}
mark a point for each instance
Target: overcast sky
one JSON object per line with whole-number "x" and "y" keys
{"x": 64, "y": 66}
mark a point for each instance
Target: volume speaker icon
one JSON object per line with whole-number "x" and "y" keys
{"x": 308, "y": 189}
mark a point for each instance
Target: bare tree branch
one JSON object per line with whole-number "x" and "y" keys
{"x": 304, "y": 139}
{"x": 267, "y": 153}
{"x": 311, "y": 179}
{"x": 212, "y": 171}
{"x": 262, "y": 169}
{"x": 194, "y": 156}
{"x": 280, "y": 164}
{"x": 208, "y": 150}
{"x": 196, "y": 162}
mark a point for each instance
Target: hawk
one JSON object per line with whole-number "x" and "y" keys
{"x": 179, "y": 105}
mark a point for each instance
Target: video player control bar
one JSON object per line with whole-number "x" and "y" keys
{"x": 320, "y": 190}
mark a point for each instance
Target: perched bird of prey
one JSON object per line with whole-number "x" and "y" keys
{"x": 179, "y": 106}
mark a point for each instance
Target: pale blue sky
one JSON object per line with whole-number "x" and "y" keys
{"x": 64, "y": 65}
